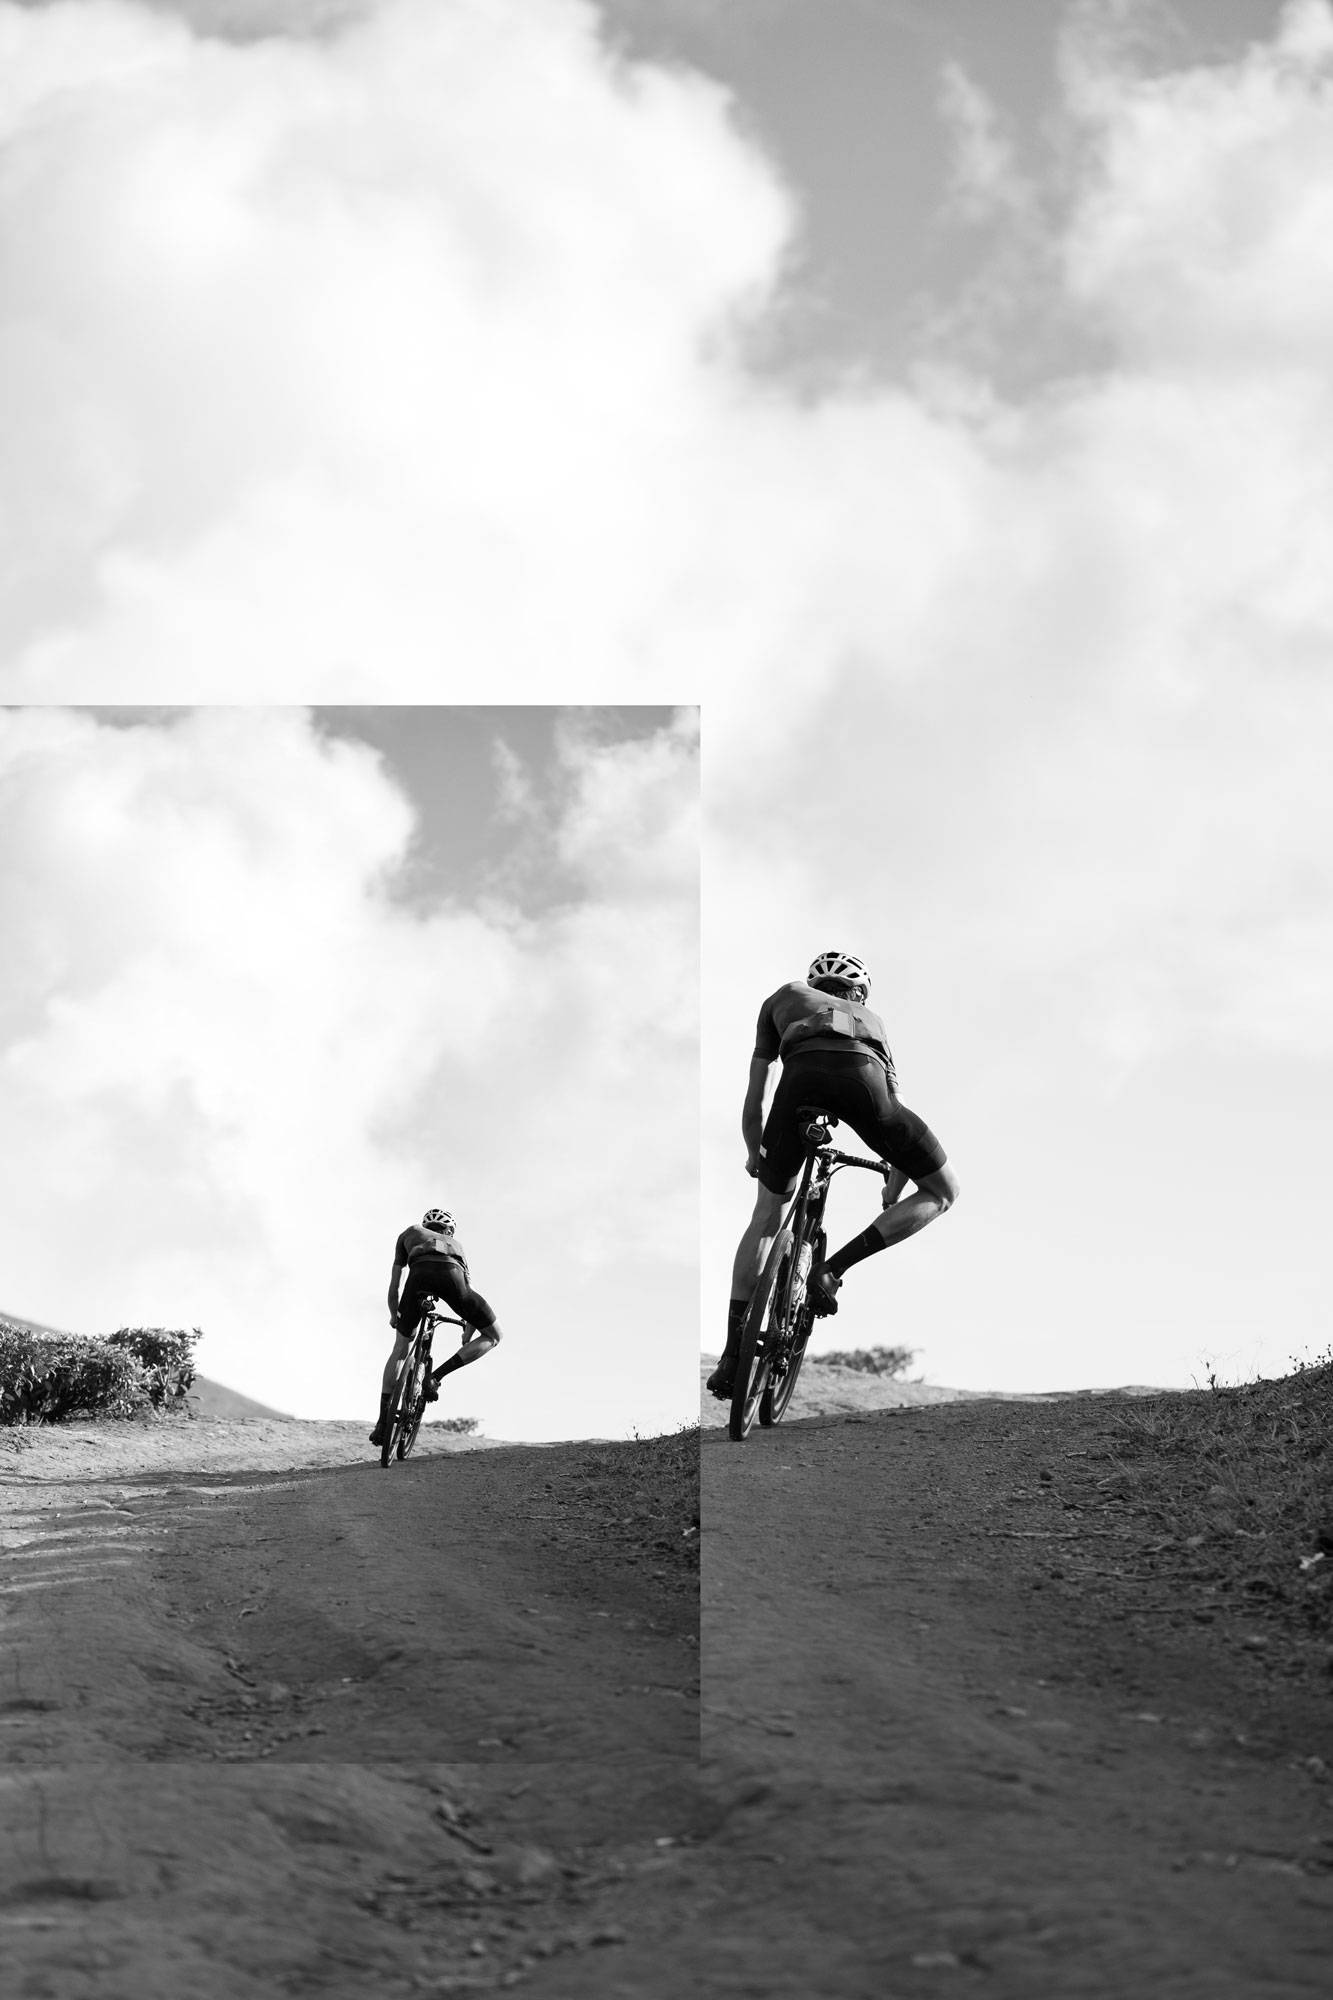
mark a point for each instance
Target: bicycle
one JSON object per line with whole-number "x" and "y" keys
{"x": 778, "y": 1322}
{"x": 407, "y": 1404}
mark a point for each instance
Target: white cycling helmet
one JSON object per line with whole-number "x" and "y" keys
{"x": 843, "y": 965}
{"x": 438, "y": 1218}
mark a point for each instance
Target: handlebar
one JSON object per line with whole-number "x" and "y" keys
{"x": 881, "y": 1167}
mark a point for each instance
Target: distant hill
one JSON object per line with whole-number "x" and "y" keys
{"x": 31, "y": 1325}
{"x": 210, "y": 1399}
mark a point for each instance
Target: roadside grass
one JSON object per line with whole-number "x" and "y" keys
{"x": 642, "y": 1493}
{"x": 1240, "y": 1480}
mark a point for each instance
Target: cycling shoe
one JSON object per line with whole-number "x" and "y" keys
{"x": 822, "y": 1288}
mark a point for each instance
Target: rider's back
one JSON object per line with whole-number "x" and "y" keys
{"x": 417, "y": 1245}
{"x": 801, "y": 1018}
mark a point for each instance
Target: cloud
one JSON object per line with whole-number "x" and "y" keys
{"x": 1200, "y": 234}
{"x": 364, "y": 360}
{"x": 1091, "y": 704}
{"x": 985, "y": 175}
{"x": 234, "y": 1066}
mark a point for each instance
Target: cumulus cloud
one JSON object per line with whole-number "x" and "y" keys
{"x": 1109, "y": 622}
{"x": 234, "y": 1066}
{"x": 985, "y": 174}
{"x": 362, "y": 361}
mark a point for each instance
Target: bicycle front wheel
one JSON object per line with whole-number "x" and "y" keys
{"x": 795, "y": 1315}
{"x": 755, "y": 1360}
{"x": 414, "y": 1404}
{"x": 393, "y": 1421}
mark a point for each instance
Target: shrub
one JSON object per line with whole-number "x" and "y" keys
{"x": 868, "y": 1360}
{"x": 465, "y": 1425}
{"x": 51, "y": 1377}
{"x": 166, "y": 1357}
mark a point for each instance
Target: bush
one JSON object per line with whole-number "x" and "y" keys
{"x": 868, "y": 1360}
{"x": 51, "y": 1377}
{"x": 465, "y": 1425}
{"x": 165, "y": 1357}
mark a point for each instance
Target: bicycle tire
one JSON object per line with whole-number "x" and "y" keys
{"x": 752, "y": 1363}
{"x": 393, "y": 1418}
{"x": 779, "y": 1389}
{"x": 390, "y": 1437}
{"x": 414, "y": 1404}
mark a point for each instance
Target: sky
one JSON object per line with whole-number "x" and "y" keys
{"x": 267, "y": 999}
{"x": 937, "y": 394}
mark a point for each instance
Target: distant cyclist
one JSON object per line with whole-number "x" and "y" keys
{"x": 436, "y": 1268}
{"x": 835, "y": 1058}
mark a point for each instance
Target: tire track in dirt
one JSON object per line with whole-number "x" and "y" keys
{"x": 952, "y": 1752}
{"x": 331, "y": 1732}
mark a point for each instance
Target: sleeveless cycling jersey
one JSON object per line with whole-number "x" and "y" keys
{"x": 416, "y": 1243}
{"x": 799, "y": 1018}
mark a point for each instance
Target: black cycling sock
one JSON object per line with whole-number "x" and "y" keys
{"x": 736, "y": 1311}
{"x": 473, "y": 1351}
{"x": 860, "y": 1247}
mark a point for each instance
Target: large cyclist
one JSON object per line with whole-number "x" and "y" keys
{"x": 436, "y": 1268}
{"x": 835, "y": 1058}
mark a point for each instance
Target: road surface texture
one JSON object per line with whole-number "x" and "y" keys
{"x": 969, "y": 1731}
{"x": 271, "y": 1730}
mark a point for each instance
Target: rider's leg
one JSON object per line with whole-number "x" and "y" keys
{"x": 751, "y": 1251}
{"x": 933, "y": 1194}
{"x": 394, "y": 1363}
{"x": 756, "y": 1243}
{"x": 477, "y": 1341}
{"x": 387, "y": 1381}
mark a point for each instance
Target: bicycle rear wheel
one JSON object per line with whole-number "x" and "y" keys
{"x": 796, "y": 1316}
{"x": 755, "y": 1359}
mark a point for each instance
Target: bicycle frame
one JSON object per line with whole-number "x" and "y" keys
{"x": 408, "y": 1403}
{"x": 777, "y": 1325}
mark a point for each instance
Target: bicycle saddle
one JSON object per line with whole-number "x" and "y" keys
{"x": 816, "y": 1126}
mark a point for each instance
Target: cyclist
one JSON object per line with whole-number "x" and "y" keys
{"x": 835, "y": 1058}
{"x": 436, "y": 1268}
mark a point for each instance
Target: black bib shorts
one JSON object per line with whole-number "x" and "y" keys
{"x": 441, "y": 1278}
{"x": 852, "y": 1087}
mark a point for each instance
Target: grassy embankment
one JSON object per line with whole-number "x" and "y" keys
{"x": 636, "y": 1497}
{"x": 1235, "y": 1486}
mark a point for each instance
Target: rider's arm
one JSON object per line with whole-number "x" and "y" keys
{"x": 394, "y": 1280}
{"x": 752, "y": 1116}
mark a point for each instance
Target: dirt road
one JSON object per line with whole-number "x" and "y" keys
{"x": 965, "y": 1735}
{"x": 274, "y": 1729}
{"x": 335, "y": 1731}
